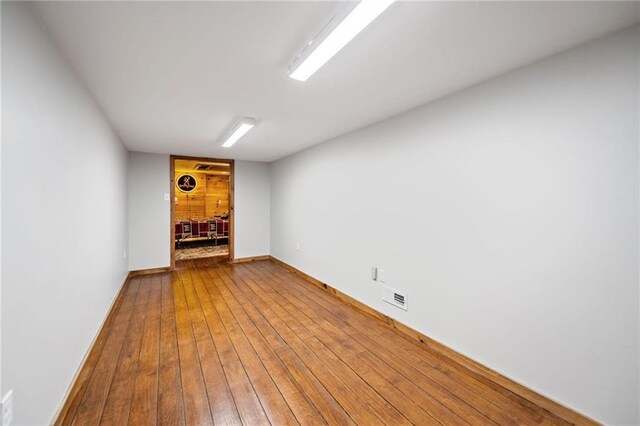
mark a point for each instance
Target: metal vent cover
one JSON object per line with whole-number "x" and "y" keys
{"x": 395, "y": 297}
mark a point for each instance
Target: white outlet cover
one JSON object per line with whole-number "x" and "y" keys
{"x": 166, "y": 197}
{"x": 7, "y": 408}
{"x": 381, "y": 275}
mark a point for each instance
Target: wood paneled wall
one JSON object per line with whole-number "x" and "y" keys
{"x": 210, "y": 198}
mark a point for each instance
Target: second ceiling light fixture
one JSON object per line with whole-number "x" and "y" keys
{"x": 339, "y": 31}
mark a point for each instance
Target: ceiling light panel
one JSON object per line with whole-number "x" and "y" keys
{"x": 340, "y": 30}
{"x": 239, "y": 129}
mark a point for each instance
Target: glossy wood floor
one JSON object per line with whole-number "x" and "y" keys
{"x": 255, "y": 344}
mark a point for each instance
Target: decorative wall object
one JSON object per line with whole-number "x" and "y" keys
{"x": 186, "y": 183}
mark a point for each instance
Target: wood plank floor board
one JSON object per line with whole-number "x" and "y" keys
{"x": 270, "y": 342}
{"x": 144, "y": 407}
{"x": 195, "y": 396}
{"x": 170, "y": 399}
{"x": 126, "y": 308}
{"x": 510, "y": 410}
{"x": 213, "y": 343}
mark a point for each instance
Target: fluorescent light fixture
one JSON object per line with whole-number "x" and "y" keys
{"x": 333, "y": 38}
{"x": 241, "y": 127}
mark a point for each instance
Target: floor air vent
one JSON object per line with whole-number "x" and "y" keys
{"x": 393, "y": 296}
{"x": 204, "y": 166}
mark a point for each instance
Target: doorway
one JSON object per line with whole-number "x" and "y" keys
{"x": 202, "y": 208}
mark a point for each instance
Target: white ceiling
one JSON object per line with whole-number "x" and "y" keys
{"x": 173, "y": 76}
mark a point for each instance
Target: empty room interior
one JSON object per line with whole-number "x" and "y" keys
{"x": 368, "y": 212}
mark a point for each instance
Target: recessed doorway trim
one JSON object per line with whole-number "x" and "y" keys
{"x": 172, "y": 203}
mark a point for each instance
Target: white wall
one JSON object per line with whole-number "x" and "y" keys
{"x": 508, "y": 212}
{"x": 251, "y": 208}
{"x": 149, "y": 214}
{"x": 64, "y": 201}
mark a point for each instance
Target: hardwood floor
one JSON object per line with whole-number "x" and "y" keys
{"x": 252, "y": 343}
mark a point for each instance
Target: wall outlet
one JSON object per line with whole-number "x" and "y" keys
{"x": 298, "y": 246}
{"x": 381, "y": 275}
{"x": 166, "y": 197}
{"x": 7, "y": 408}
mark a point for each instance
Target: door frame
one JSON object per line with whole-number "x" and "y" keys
{"x": 172, "y": 201}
